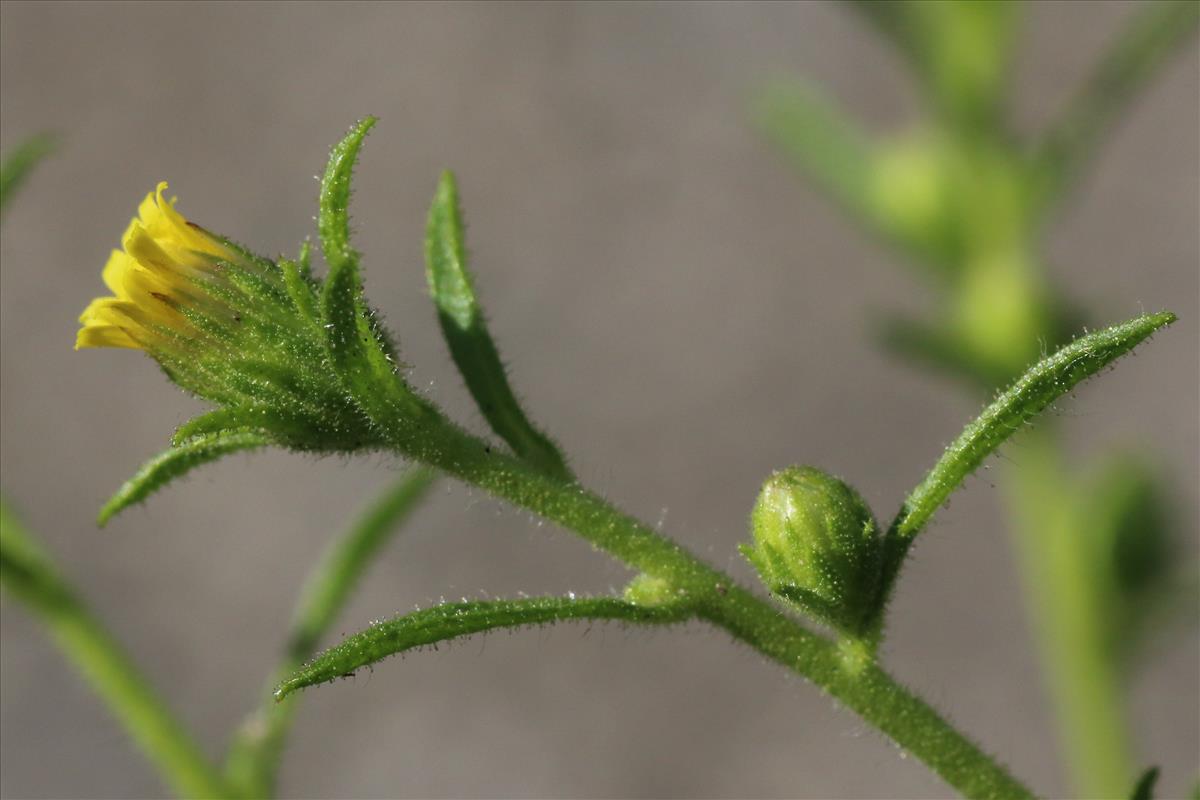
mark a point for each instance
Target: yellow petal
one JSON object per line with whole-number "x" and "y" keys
{"x": 115, "y": 272}
{"x": 108, "y": 311}
{"x": 104, "y": 336}
{"x": 169, "y": 226}
{"x": 147, "y": 251}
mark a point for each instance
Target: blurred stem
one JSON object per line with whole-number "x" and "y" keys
{"x": 254, "y": 755}
{"x": 1068, "y": 620}
{"x": 29, "y": 575}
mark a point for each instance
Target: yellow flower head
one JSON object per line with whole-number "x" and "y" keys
{"x": 162, "y": 267}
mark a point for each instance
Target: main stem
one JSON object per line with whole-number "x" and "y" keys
{"x": 865, "y": 688}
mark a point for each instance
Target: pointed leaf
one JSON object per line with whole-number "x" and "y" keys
{"x": 358, "y": 347}
{"x": 1040, "y": 386}
{"x": 454, "y": 620}
{"x": 177, "y": 461}
{"x": 467, "y": 335}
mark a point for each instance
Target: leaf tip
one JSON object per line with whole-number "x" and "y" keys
{"x": 1163, "y": 318}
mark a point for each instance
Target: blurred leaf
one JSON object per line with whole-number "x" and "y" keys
{"x": 466, "y": 333}
{"x": 959, "y": 50}
{"x": 1144, "y": 789}
{"x": 932, "y": 347}
{"x": 1124, "y": 517}
{"x": 1159, "y": 29}
{"x": 821, "y": 140}
{"x": 20, "y": 162}
{"x": 28, "y": 573}
{"x": 254, "y": 755}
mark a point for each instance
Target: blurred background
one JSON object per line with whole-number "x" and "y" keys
{"x": 679, "y": 308}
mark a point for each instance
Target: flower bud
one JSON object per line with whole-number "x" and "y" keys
{"x": 228, "y": 326}
{"x": 816, "y": 544}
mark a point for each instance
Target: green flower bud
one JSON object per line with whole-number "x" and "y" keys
{"x": 816, "y": 544}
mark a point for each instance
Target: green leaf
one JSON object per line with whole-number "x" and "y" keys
{"x": 959, "y": 50}
{"x": 932, "y": 347}
{"x": 358, "y": 346}
{"x": 1144, "y": 789}
{"x": 1157, "y": 32}
{"x": 27, "y": 571}
{"x": 893, "y": 19}
{"x": 1040, "y": 386}
{"x": 348, "y": 558}
{"x": 177, "y": 461}
{"x": 254, "y": 756}
{"x": 1122, "y": 519}
{"x": 467, "y": 335}
{"x": 822, "y": 141}
{"x": 300, "y": 289}
{"x": 455, "y": 620}
{"x": 20, "y": 162}
{"x": 217, "y": 421}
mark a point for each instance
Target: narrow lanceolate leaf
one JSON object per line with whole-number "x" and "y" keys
{"x": 177, "y": 461}
{"x": 1158, "y": 30}
{"x": 28, "y": 573}
{"x": 358, "y": 347}
{"x": 20, "y": 162}
{"x": 467, "y": 335}
{"x": 254, "y": 755}
{"x": 340, "y": 569}
{"x": 1044, "y": 383}
{"x": 455, "y": 620}
{"x": 1040, "y": 386}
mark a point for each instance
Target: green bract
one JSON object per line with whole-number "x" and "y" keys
{"x": 817, "y": 545}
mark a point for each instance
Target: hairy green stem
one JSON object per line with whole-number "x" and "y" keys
{"x": 1069, "y": 624}
{"x": 28, "y": 573}
{"x": 860, "y": 685}
{"x": 254, "y": 755}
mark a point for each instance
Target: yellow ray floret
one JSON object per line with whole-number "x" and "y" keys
{"x": 151, "y": 277}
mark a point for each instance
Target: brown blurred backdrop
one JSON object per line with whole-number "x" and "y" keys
{"x": 682, "y": 311}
